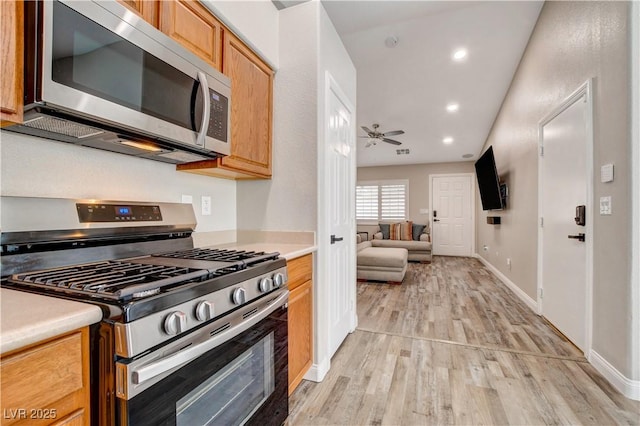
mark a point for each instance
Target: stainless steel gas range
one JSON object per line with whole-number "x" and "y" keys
{"x": 189, "y": 336}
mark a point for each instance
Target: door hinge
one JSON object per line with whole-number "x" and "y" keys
{"x": 541, "y": 151}
{"x": 541, "y": 222}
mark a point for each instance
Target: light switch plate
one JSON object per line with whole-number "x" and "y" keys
{"x": 424, "y": 211}
{"x": 206, "y": 205}
{"x": 605, "y": 205}
{"x": 187, "y": 199}
{"x": 606, "y": 173}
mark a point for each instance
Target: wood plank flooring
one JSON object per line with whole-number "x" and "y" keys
{"x": 453, "y": 346}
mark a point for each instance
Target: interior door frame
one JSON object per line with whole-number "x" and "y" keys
{"x": 322, "y": 298}
{"x": 472, "y": 197}
{"x": 586, "y": 91}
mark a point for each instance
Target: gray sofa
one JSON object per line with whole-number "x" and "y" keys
{"x": 419, "y": 250}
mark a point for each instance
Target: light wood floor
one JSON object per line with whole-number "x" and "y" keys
{"x": 451, "y": 345}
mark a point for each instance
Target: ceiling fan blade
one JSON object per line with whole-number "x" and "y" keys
{"x": 391, "y": 141}
{"x": 394, "y": 133}
{"x": 366, "y": 129}
{"x": 367, "y": 137}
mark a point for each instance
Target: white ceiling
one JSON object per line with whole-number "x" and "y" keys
{"x": 408, "y": 87}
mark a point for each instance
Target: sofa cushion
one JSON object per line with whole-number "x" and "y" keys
{"x": 363, "y": 245}
{"x": 417, "y": 230}
{"x": 401, "y": 231}
{"x": 409, "y": 245}
{"x": 385, "y": 229}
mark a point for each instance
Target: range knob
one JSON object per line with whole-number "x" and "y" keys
{"x": 265, "y": 285}
{"x": 204, "y": 310}
{"x": 239, "y": 296}
{"x": 175, "y": 323}
{"x": 278, "y": 279}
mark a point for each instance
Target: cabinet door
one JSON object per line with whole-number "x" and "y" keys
{"x": 11, "y": 33}
{"x": 148, "y": 9}
{"x": 300, "y": 333}
{"x": 192, "y": 25}
{"x": 47, "y": 382}
{"x": 251, "y": 108}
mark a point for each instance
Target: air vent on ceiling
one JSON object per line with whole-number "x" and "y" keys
{"x": 402, "y": 151}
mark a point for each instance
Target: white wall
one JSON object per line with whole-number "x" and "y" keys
{"x": 254, "y": 21}
{"x": 38, "y": 167}
{"x": 572, "y": 42}
{"x": 287, "y": 202}
{"x": 334, "y": 59}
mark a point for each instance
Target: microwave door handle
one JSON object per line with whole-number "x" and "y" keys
{"x": 164, "y": 365}
{"x": 204, "y": 87}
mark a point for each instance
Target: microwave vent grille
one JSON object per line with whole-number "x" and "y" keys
{"x": 62, "y": 127}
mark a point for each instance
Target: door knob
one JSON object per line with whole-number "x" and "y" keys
{"x": 334, "y": 239}
{"x": 579, "y": 237}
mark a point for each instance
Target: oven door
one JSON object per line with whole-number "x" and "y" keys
{"x": 233, "y": 371}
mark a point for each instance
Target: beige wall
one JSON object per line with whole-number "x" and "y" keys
{"x": 572, "y": 42}
{"x": 418, "y": 176}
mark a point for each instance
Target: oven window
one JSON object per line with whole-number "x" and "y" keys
{"x": 235, "y": 392}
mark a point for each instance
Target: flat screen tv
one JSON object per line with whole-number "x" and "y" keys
{"x": 489, "y": 181}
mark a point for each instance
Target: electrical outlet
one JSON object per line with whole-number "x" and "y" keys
{"x": 187, "y": 199}
{"x": 485, "y": 247}
{"x": 206, "y": 205}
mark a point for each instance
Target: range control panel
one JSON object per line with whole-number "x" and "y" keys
{"x": 118, "y": 213}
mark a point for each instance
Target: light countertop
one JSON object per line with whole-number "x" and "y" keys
{"x": 27, "y": 318}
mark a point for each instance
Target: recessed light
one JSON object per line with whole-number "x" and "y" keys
{"x": 453, "y": 107}
{"x": 448, "y": 140}
{"x": 459, "y": 54}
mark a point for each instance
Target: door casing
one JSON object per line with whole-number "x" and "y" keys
{"x": 473, "y": 206}
{"x": 586, "y": 91}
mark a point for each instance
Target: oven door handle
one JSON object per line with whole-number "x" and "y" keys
{"x": 149, "y": 371}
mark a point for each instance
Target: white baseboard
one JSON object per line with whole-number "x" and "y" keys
{"x": 317, "y": 372}
{"x": 629, "y": 388}
{"x": 517, "y": 290}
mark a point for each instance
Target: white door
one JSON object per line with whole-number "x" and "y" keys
{"x": 342, "y": 275}
{"x": 563, "y": 186}
{"x": 451, "y": 202}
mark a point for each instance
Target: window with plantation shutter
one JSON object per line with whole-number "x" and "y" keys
{"x": 381, "y": 201}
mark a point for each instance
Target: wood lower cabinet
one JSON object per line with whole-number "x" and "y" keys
{"x": 47, "y": 383}
{"x": 193, "y": 26}
{"x": 11, "y": 60}
{"x": 300, "y": 285}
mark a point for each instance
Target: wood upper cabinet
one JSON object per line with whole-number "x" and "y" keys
{"x": 251, "y": 116}
{"x": 300, "y": 284}
{"x": 148, "y": 9}
{"x": 47, "y": 383}
{"x": 192, "y": 25}
{"x": 11, "y": 60}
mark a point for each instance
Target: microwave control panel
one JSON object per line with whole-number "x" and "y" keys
{"x": 117, "y": 213}
{"x": 218, "y": 117}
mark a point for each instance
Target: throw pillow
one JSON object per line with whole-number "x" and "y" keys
{"x": 401, "y": 231}
{"x": 417, "y": 230}
{"x": 384, "y": 228}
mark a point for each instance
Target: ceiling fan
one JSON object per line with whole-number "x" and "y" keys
{"x": 374, "y": 134}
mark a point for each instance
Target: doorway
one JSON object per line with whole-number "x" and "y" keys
{"x": 452, "y": 214}
{"x": 565, "y": 205}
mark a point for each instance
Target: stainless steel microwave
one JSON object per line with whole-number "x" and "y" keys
{"x": 98, "y": 75}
